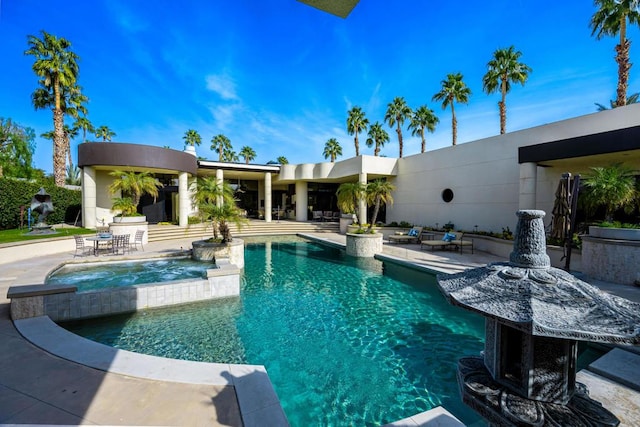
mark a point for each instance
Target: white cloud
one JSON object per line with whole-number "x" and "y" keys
{"x": 223, "y": 85}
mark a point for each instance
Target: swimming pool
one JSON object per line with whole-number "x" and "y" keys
{"x": 345, "y": 341}
{"x": 92, "y": 276}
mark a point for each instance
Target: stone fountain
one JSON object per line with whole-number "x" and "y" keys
{"x": 535, "y": 315}
{"x": 41, "y": 203}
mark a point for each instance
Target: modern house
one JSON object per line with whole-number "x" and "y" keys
{"x": 479, "y": 184}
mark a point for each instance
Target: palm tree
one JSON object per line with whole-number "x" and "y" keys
{"x": 247, "y": 153}
{"x": 609, "y": 20}
{"x": 423, "y": 119}
{"x": 73, "y": 175}
{"x": 215, "y": 201}
{"x": 192, "y": 138}
{"x": 377, "y": 136}
{"x": 613, "y": 187}
{"x": 378, "y": 192}
{"x": 502, "y": 70}
{"x": 332, "y": 149}
{"x": 105, "y": 133}
{"x": 230, "y": 156}
{"x": 356, "y": 123}
{"x": 86, "y": 126}
{"x": 453, "y": 90}
{"x": 282, "y": 160}
{"x": 57, "y": 67}
{"x": 397, "y": 112}
{"x": 349, "y": 195}
{"x": 631, "y": 99}
{"x": 134, "y": 184}
{"x": 220, "y": 143}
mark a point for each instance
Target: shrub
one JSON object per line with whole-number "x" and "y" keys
{"x": 15, "y": 193}
{"x": 405, "y": 224}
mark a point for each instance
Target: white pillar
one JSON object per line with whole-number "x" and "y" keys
{"x": 219, "y": 181}
{"x": 267, "y": 196}
{"x": 302, "y": 200}
{"x": 528, "y": 180}
{"x": 89, "y": 197}
{"x": 184, "y": 199}
{"x": 362, "y": 178}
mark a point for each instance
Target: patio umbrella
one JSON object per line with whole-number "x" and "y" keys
{"x": 561, "y": 210}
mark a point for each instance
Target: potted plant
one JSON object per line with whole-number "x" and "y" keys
{"x": 215, "y": 202}
{"x": 349, "y": 195}
{"x": 366, "y": 242}
{"x": 132, "y": 185}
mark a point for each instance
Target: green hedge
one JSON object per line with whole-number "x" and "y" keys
{"x": 15, "y": 193}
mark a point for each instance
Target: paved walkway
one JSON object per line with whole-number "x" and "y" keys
{"x": 39, "y": 388}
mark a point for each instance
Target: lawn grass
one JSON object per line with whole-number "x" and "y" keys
{"x": 18, "y": 235}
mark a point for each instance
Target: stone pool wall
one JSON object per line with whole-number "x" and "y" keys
{"x": 62, "y": 303}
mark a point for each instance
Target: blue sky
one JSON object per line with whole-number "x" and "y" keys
{"x": 280, "y": 76}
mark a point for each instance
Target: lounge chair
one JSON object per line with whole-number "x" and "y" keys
{"x": 459, "y": 242}
{"x": 317, "y": 216}
{"x": 446, "y": 241}
{"x": 327, "y": 216}
{"x": 413, "y": 236}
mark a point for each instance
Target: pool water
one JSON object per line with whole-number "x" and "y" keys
{"x": 345, "y": 341}
{"x": 88, "y": 277}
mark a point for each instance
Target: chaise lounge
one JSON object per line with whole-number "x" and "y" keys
{"x": 413, "y": 236}
{"x": 449, "y": 239}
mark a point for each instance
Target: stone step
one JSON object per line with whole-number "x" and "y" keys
{"x": 619, "y": 365}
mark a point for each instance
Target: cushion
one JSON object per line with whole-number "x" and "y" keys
{"x": 448, "y": 237}
{"x": 413, "y": 232}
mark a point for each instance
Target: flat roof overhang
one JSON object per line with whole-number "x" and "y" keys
{"x": 616, "y": 146}
{"x": 340, "y": 8}
{"x": 237, "y": 170}
{"x": 118, "y": 155}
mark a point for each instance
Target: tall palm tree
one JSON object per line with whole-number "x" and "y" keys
{"x": 397, "y": 112}
{"x": 631, "y": 99}
{"x": 377, "y": 136}
{"x": 378, "y": 192}
{"x": 609, "y": 20}
{"x": 247, "y": 153}
{"x": 502, "y": 70}
{"x": 282, "y": 160}
{"x": 69, "y": 134}
{"x": 332, "y": 149}
{"x": 356, "y": 123}
{"x": 229, "y": 155}
{"x": 423, "y": 119}
{"x": 105, "y": 133}
{"x": 133, "y": 183}
{"x": 192, "y": 138}
{"x": 57, "y": 67}
{"x": 220, "y": 143}
{"x": 85, "y": 124}
{"x": 453, "y": 90}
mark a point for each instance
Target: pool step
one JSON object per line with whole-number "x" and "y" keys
{"x": 256, "y": 227}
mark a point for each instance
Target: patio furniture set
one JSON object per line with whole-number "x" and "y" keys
{"x": 325, "y": 216}
{"x": 454, "y": 240}
{"x": 107, "y": 243}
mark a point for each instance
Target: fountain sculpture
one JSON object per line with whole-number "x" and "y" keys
{"x": 535, "y": 314}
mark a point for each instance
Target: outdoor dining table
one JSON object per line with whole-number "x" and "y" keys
{"x": 97, "y": 240}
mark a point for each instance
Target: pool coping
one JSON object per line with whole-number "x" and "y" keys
{"x": 257, "y": 399}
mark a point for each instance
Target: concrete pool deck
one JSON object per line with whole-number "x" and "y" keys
{"x": 37, "y": 387}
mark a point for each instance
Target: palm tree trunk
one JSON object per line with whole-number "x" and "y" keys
{"x": 376, "y": 208}
{"x": 424, "y": 142}
{"x": 622, "y": 58}
{"x": 454, "y": 125}
{"x": 355, "y": 141}
{"x": 59, "y": 151}
{"x": 503, "y": 108}
{"x": 399, "y": 138}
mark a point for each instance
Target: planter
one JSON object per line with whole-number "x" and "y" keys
{"x": 210, "y": 251}
{"x": 364, "y": 245}
{"x": 129, "y": 219}
{"x": 615, "y": 233}
{"x": 345, "y": 221}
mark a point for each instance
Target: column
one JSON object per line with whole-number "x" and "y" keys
{"x": 362, "y": 209}
{"x": 219, "y": 181}
{"x": 89, "y": 197}
{"x": 267, "y": 196}
{"x": 184, "y": 199}
{"x": 528, "y": 181}
{"x": 302, "y": 201}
